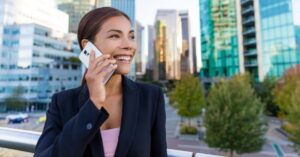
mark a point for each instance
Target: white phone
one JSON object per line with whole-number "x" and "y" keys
{"x": 85, "y": 58}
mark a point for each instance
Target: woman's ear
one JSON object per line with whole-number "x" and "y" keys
{"x": 84, "y": 42}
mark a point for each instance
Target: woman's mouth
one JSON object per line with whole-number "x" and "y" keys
{"x": 124, "y": 59}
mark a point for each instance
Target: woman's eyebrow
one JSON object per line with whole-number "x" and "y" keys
{"x": 119, "y": 31}
{"x": 115, "y": 30}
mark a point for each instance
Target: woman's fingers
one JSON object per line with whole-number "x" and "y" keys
{"x": 107, "y": 70}
{"x": 105, "y": 64}
{"x": 92, "y": 58}
{"x": 94, "y": 62}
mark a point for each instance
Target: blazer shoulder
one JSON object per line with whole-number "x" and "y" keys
{"x": 68, "y": 94}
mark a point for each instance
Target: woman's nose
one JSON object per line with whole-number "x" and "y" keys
{"x": 128, "y": 44}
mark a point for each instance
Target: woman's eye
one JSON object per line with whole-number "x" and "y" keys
{"x": 114, "y": 36}
{"x": 132, "y": 37}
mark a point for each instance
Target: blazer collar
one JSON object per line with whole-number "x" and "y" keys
{"x": 128, "y": 122}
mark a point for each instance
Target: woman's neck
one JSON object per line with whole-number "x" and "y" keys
{"x": 114, "y": 85}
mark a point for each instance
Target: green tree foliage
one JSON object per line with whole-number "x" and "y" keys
{"x": 16, "y": 101}
{"x": 234, "y": 117}
{"x": 264, "y": 91}
{"x": 293, "y": 117}
{"x": 287, "y": 94}
{"x": 187, "y": 97}
{"x": 285, "y": 87}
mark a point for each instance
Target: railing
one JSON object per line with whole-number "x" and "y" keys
{"x": 249, "y": 30}
{"x": 250, "y": 53}
{"x": 24, "y": 140}
{"x": 248, "y": 9}
{"x": 248, "y": 20}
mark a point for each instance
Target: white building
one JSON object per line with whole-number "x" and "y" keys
{"x": 37, "y": 62}
{"x": 41, "y": 12}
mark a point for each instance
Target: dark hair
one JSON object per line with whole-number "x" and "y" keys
{"x": 91, "y": 23}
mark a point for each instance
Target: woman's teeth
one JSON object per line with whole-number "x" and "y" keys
{"x": 125, "y": 59}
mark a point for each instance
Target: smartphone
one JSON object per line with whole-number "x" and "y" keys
{"x": 84, "y": 57}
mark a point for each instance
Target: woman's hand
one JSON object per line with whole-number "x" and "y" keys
{"x": 97, "y": 70}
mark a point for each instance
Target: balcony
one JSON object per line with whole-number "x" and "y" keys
{"x": 251, "y": 63}
{"x": 248, "y": 10}
{"x": 24, "y": 140}
{"x": 250, "y": 53}
{"x": 248, "y": 20}
{"x": 249, "y": 31}
{"x": 251, "y": 41}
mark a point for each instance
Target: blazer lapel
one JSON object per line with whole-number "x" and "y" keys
{"x": 128, "y": 123}
{"x": 129, "y": 116}
{"x": 97, "y": 146}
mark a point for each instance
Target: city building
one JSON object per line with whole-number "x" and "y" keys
{"x": 269, "y": 36}
{"x": 195, "y": 69}
{"x": 76, "y": 9}
{"x": 17, "y": 12}
{"x": 186, "y": 58}
{"x": 160, "y": 50}
{"x": 255, "y": 36}
{"x": 219, "y": 45}
{"x": 151, "y": 53}
{"x": 139, "y": 54}
{"x": 37, "y": 62}
{"x": 173, "y": 44}
{"x": 127, "y": 7}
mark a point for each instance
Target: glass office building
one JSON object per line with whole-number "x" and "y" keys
{"x": 257, "y": 36}
{"x": 127, "y": 6}
{"x": 280, "y": 27}
{"x": 76, "y": 9}
{"x": 219, "y": 46}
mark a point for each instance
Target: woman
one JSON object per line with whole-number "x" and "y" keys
{"x": 121, "y": 118}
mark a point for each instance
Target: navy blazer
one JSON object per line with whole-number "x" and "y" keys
{"x": 72, "y": 128}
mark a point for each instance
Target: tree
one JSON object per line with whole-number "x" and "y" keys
{"x": 234, "y": 117}
{"x": 293, "y": 117}
{"x": 187, "y": 97}
{"x": 264, "y": 91}
{"x": 285, "y": 87}
{"x": 15, "y": 100}
{"x": 287, "y": 93}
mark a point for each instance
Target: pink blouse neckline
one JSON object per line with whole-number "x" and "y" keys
{"x": 110, "y": 140}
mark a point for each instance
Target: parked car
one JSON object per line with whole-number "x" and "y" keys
{"x": 17, "y": 118}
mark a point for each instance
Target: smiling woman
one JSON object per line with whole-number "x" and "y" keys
{"x": 121, "y": 118}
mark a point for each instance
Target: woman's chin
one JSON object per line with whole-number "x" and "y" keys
{"x": 122, "y": 71}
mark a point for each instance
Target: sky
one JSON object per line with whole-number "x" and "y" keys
{"x": 146, "y": 11}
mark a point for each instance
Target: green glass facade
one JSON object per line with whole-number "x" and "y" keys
{"x": 219, "y": 45}
{"x": 263, "y": 35}
{"x": 280, "y": 35}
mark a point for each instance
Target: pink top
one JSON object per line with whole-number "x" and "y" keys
{"x": 110, "y": 140}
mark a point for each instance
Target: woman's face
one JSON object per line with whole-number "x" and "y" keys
{"x": 117, "y": 39}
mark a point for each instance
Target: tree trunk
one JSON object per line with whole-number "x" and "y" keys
{"x": 189, "y": 119}
{"x": 231, "y": 153}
